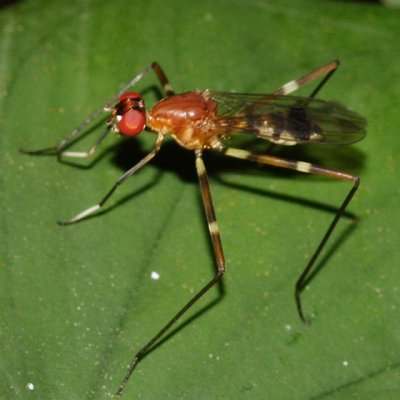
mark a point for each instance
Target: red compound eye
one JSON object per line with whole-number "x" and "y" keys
{"x": 130, "y": 95}
{"x": 131, "y": 123}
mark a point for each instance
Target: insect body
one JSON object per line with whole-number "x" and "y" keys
{"x": 200, "y": 120}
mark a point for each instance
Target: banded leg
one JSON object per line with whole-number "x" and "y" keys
{"x": 121, "y": 180}
{"x": 290, "y": 87}
{"x": 59, "y": 149}
{"x": 307, "y": 168}
{"x": 83, "y": 154}
{"x": 219, "y": 256}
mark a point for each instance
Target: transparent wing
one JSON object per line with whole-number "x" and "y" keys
{"x": 287, "y": 119}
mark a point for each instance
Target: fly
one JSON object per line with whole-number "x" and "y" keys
{"x": 201, "y": 120}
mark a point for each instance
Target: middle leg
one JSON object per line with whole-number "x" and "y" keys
{"x": 219, "y": 257}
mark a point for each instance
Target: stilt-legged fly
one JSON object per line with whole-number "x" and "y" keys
{"x": 201, "y": 120}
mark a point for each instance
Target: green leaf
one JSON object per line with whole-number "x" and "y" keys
{"x": 77, "y": 302}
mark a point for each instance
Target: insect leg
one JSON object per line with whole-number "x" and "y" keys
{"x": 219, "y": 256}
{"x": 162, "y": 78}
{"x": 88, "y": 153}
{"x": 307, "y": 168}
{"x": 210, "y": 213}
{"x": 59, "y": 148}
{"x": 290, "y": 87}
{"x": 121, "y": 180}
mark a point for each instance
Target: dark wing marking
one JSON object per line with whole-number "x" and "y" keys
{"x": 287, "y": 119}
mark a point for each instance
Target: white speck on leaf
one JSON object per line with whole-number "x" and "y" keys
{"x": 30, "y": 386}
{"x": 155, "y": 276}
